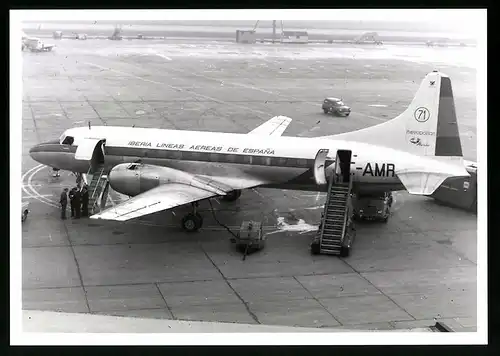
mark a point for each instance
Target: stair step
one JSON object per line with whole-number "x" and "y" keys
{"x": 335, "y": 214}
{"x": 332, "y": 234}
{"x": 332, "y": 212}
{"x": 331, "y": 245}
{"x": 338, "y": 226}
{"x": 329, "y": 252}
{"x": 341, "y": 202}
{"x": 334, "y": 220}
{"x": 331, "y": 237}
{"x": 332, "y": 230}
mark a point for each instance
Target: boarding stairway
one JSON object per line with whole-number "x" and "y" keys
{"x": 98, "y": 188}
{"x": 336, "y": 231}
{"x": 335, "y": 217}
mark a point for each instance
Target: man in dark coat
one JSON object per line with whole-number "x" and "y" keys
{"x": 64, "y": 203}
{"x": 78, "y": 201}
{"x": 85, "y": 201}
{"x": 72, "y": 201}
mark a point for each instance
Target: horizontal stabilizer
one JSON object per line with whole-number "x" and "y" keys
{"x": 422, "y": 183}
{"x": 425, "y": 181}
{"x": 273, "y": 127}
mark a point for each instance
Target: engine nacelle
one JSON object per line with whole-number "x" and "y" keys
{"x": 135, "y": 178}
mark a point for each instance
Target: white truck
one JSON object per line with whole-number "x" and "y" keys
{"x": 34, "y": 44}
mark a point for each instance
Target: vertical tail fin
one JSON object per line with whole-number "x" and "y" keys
{"x": 428, "y": 127}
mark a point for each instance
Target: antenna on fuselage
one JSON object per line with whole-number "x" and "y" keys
{"x": 89, "y": 125}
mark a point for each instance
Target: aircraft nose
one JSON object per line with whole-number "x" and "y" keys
{"x": 38, "y": 152}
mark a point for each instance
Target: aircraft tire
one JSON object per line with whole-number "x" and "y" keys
{"x": 315, "y": 249}
{"x": 192, "y": 222}
{"x": 345, "y": 251}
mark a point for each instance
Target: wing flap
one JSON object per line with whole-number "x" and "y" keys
{"x": 163, "y": 197}
{"x": 273, "y": 127}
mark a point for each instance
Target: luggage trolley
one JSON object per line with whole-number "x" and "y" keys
{"x": 250, "y": 238}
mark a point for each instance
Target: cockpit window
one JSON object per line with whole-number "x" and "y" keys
{"x": 133, "y": 167}
{"x": 68, "y": 140}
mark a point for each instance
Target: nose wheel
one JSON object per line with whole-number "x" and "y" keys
{"x": 193, "y": 221}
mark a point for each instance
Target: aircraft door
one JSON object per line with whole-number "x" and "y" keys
{"x": 319, "y": 167}
{"x": 343, "y": 166}
{"x": 92, "y": 151}
{"x": 98, "y": 154}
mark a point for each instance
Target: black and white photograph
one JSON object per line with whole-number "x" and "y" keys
{"x": 315, "y": 172}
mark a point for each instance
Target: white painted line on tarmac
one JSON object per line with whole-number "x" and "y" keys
{"x": 31, "y": 196}
{"x": 28, "y": 188}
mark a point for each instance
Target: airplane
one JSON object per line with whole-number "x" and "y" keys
{"x": 164, "y": 169}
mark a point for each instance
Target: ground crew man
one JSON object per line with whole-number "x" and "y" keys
{"x": 85, "y": 201}
{"x": 64, "y": 203}
{"x": 78, "y": 201}
{"x": 72, "y": 201}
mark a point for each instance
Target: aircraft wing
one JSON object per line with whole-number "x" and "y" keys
{"x": 169, "y": 196}
{"x": 163, "y": 197}
{"x": 273, "y": 127}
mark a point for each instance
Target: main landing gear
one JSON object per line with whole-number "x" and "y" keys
{"x": 193, "y": 221}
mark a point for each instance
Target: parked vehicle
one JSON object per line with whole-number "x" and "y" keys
{"x": 34, "y": 44}
{"x": 335, "y": 106}
{"x": 372, "y": 206}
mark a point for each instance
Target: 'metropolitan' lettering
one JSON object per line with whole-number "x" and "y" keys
{"x": 384, "y": 170}
{"x": 423, "y": 133}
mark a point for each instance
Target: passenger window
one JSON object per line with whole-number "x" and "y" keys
{"x": 282, "y": 162}
{"x": 302, "y": 162}
{"x": 68, "y": 140}
{"x": 214, "y": 157}
{"x": 176, "y": 155}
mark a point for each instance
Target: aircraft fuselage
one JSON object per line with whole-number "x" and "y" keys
{"x": 285, "y": 162}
